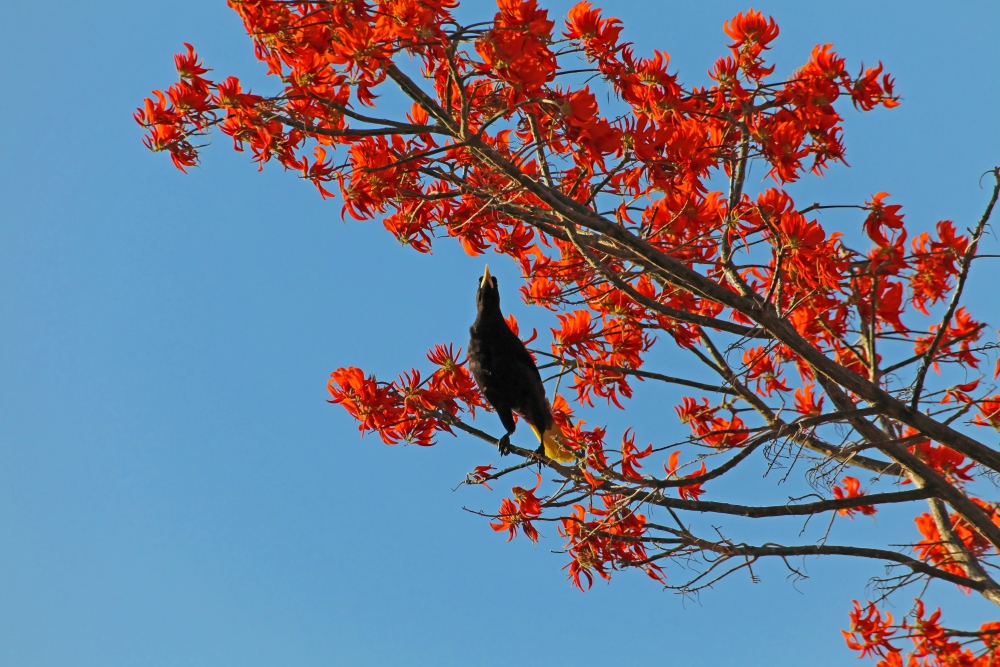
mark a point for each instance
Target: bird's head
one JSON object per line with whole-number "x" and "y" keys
{"x": 487, "y": 296}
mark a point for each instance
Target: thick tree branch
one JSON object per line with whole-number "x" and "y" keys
{"x": 833, "y": 550}
{"x": 351, "y": 132}
{"x": 919, "y": 471}
{"x": 652, "y": 304}
{"x": 960, "y": 554}
{"x": 805, "y": 509}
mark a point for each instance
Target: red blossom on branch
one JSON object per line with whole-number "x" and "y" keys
{"x": 852, "y": 489}
{"x": 634, "y": 224}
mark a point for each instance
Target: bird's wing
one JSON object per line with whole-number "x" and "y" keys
{"x": 530, "y": 393}
{"x": 517, "y": 353}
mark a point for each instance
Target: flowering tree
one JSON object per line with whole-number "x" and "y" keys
{"x": 853, "y": 366}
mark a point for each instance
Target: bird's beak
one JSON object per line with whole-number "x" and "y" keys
{"x": 486, "y": 282}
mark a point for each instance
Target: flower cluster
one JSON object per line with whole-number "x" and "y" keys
{"x": 939, "y": 550}
{"x": 852, "y": 489}
{"x": 519, "y": 512}
{"x": 603, "y": 539}
{"x": 933, "y": 645}
{"x": 409, "y": 409}
{"x": 710, "y": 428}
{"x": 612, "y": 210}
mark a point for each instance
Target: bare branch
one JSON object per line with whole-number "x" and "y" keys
{"x": 805, "y": 509}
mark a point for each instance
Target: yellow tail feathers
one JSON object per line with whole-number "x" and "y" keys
{"x": 554, "y": 449}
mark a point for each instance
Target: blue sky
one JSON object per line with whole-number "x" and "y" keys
{"x": 174, "y": 489}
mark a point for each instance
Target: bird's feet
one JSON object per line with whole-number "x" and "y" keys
{"x": 540, "y": 456}
{"x": 504, "y": 444}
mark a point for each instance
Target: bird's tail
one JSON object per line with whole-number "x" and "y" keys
{"x": 551, "y": 439}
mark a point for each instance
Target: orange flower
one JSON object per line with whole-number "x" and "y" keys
{"x": 188, "y": 65}
{"x": 690, "y": 491}
{"x": 631, "y": 456}
{"x": 870, "y": 632}
{"x": 960, "y": 392}
{"x": 963, "y": 332}
{"x": 751, "y": 29}
{"x": 229, "y": 95}
{"x": 365, "y": 399}
{"x": 596, "y": 546}
{"x": 950, "y": 464}
{"x": 761, "y": 368}
{"x": 934, "y": 264}
{"x": 805, "y": 401}
{"x": 527, "y": 503}
{"x": 882, "y": 215}
{"x": 852, "y": 489}
{"x": 479, "y": 475}
{"x": 752, "y": 34}
{"x": 516, "y": 49}
{"x": 600, "y": 36}
{"x": 867, "y": 92}
{"x": 512, "y": 517}
{"x": 705, "y": 424}
{"x": 575, "y": 333}
{"x": 989, "y": 409}
{"x": 932, "y": 547}
{"x": 452, "y": 378}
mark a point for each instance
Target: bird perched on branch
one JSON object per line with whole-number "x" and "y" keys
{"x": 508, "y": 376}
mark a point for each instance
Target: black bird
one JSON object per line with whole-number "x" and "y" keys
{"x": 508, "y": 376}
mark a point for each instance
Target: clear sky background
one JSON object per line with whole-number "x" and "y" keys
{"x": 174, "y": 489}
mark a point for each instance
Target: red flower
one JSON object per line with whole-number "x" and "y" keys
{"x": 805, "y": 401}
{"x": 479, "y": 475}
{"x": 600, "y": 36}
{"x": 963, "y": 332}
{"x": 751, "y": 29}
{"x": 934, "y": 264}
{"x": 761, "y": 368}
{"x": 870, "y": 632}
{"x": 751, "y": 34}
{"x": 631, "y": 456}
{"x": 188, "y": 65}
{"x": 867, "y": 92}
{"x": 880, "y": 216}
{"x": 575, "y": 334}
{"x": 516, "y": 49}
{"x": 989, "y": 409}
{"x": 933, "y": 549}
{"x": 852, "y": 489}
{"x": 690, "y": 491}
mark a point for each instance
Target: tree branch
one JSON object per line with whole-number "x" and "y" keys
{"x": 760, "y": 512}
{"x": 966, "y": 264}
{"x": 649, "y": 375}
{"x": 348, "y": 132}
{"x": 859, "y": 552}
